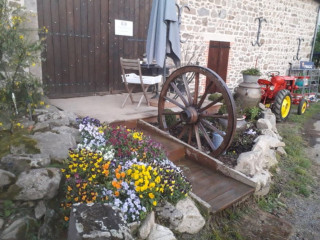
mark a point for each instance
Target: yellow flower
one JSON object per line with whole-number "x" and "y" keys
{"x": 69, "y": 188}
{"x": 1, "y": 124}
{"x": 21, "y": 37}
{"x": 154, "y": 203}
{"x": 151, "y": 185}
{"x": 63, "y": 170}
{"x": 18, "y": 124}
{"x": 33, "y": 64}
{"x": 94, "y": 175}
{"x": 41, "y": 103}
{"x": 151, "y": 195}
{"x": 157, "y": 180}
{"x": 68, "y": 176}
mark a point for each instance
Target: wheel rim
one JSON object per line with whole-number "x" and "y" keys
{"x": 285, "y": 107}
{"x": 191, "y": 119}
{"x": 304, "y": 107}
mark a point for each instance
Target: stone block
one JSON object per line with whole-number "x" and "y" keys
{"x": 6, "y": 178}
{"x": 159, "y": 232}
{"x": 192, "y": 221}
{"x": 146, "y": 226}
{"x": 97, "y": 221}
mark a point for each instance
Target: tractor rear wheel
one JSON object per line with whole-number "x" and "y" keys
{"x": 302, "y": 106}
{"x": 282, "y": 105}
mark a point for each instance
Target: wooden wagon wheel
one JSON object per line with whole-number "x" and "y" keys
{"x": 186, "y": 113}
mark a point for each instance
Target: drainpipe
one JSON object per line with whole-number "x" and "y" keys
{"x": 315, "y": 35}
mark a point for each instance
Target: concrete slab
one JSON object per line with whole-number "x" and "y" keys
{"x": 107, "y": 108}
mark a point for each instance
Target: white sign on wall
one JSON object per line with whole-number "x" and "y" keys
{"x": 123, "y": 28}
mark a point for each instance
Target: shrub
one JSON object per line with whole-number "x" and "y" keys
{"x": 251, "y": 71}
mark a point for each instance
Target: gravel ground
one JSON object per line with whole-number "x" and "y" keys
{"x": 304, "y": 213}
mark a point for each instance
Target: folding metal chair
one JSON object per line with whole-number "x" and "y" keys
{"x": 132, "y": 80}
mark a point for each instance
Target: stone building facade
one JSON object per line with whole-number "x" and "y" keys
{"x": 235, "y": 22}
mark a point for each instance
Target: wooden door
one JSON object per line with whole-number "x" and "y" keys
{"x": 218, "y": 58}
{"x": 82, "y": 54}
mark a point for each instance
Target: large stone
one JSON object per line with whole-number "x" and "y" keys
{"x": 192, "y": 221}
{"x": 159, "y": 232}
{"x": 18, "y": 229}
{"x": 250, "y": 163}
{"x": 6, "y": 178}
{"x": 58, "y": 118}
{"x": 1, "y": 223}
{"x": 263, "y": 181}
{"x": 271, "y": 133}
{"x": 97, "y": 221}
{"x": 41, "y": 127}
{"x": 68, "y": 130}
{"x": 22, "y": 162}
{"x": 169, "y": 213}
{"x": 146, "y": 226}
{"x": 50, "y": 230}
{"x": 40, "y": 210}
{"x": 55, "y": 145}
{"x": 270, "y": 158}
{"x": 38, "y": 184}
{"x": 281, "y": 151}
{"x": 264, "y": 124}
{"x": 269, "y": 115}
{"x": 265, "y": 142}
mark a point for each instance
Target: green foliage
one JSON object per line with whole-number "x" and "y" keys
{"x": 17, "y": 56}
{"x": 251, "y": 71}
{"x": 8, "y": 209}
{"x": 252, "y": 113}
{"x": 214, "y": 96}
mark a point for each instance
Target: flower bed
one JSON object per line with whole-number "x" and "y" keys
{"x": 121, "y": 167}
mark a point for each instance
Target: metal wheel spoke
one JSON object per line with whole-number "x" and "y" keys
{"x": 174, "y": 102}
{"x": 173, "y": 126}
{"x": 196, "y": 89}
{"x": 196, "y": 131}
{"x": 204, "y": 95}
{"x": 206, "y": 136}
{"x": 179, "y": 94}
{"x": 213, "y": 128}
{"x": 211, "y": 104}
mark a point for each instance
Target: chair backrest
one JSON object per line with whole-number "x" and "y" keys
{"x": 130, "y": 64}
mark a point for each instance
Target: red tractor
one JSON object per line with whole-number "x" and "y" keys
{"x": 279, "y": 94}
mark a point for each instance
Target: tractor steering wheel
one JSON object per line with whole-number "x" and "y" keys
{"x": 273, "y": 73}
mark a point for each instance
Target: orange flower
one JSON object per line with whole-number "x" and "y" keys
{"x": 118, "y": 175}
{"x": 116, "y": 193}
{"x": 123, "y": 174}
{"x": 114, "y": 183}
{"x": 106, "y": 166}
{"x": 66, "y": 218}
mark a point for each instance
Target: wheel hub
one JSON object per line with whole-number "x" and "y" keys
{"x": 189, "y": 115}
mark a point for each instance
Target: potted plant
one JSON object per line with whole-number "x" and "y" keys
{"x": 251, "y": 75}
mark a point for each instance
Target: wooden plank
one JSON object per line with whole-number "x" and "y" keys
{"x": 104, "y": 45}
{"x": 97, "y": 44}
{"x": 91, "y": 39}
{"x": 84, "y": 45}
{"x": 78, "y": 54}
{"x": 56, "y": 46}
{"x": 49, "y": 79}
{"x": 112, "y": 45}
{"x": 71, "y": 46}
{"x": 41, "y": 25}
{"x": 64, "y": 46}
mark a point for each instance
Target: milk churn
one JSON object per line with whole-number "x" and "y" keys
{"x": 248, "y": 94}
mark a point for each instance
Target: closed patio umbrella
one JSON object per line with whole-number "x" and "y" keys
{"x": 163, "y": 33}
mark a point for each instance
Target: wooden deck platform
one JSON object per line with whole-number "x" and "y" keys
{"x": 213, "y": 182}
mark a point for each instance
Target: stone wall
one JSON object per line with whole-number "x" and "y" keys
{"x": 234, "y": 21}
{"x": 32, "y": 26}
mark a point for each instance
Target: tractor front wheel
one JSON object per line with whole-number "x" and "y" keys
{"x": 302, "y": 107}
{"x": 282, "y": 105}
